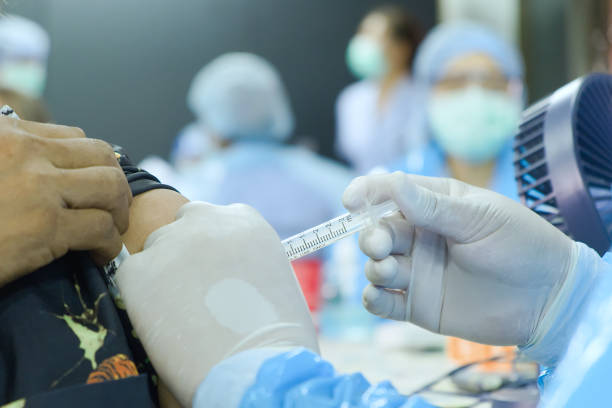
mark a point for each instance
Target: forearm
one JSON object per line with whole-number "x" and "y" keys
{"x": 148, "y": 212}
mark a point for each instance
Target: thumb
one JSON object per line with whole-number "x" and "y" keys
{"x": 434, "y": 204}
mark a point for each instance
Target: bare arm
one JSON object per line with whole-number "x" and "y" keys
{"x": 148, "y": 212}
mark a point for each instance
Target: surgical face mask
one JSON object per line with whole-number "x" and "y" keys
{"x": 28, "y": 78}
{"x": 473, "y": 124}
{"x": 365, "y": 58}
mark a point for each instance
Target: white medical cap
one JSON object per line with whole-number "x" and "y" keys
{"x": 22, "y": 38}
{"x": 450, "y": 40}
{"x": 241, "y": 96}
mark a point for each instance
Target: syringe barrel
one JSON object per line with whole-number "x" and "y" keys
{"x": 334, "y": 230}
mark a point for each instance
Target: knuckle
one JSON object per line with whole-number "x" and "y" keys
{"x": 397, "y": 180}
{"x": 105, "y": 151}
{"x": 430, "y": 207}
{"x": 41, "y": 179}
{"x": 105, "y": 226}
{"x": 119, "y": 186}
{"x": 17, "y": 144}
{"x": 58, "y": 248}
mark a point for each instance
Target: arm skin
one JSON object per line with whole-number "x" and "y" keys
{"x": 148, "y": 212}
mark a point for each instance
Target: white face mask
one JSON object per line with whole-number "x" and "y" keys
{"x": 27, "y": 77}
{"x": 473, "y": 124}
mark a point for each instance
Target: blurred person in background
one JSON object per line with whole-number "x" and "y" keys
{"x": 473, "y": 89}
{"x": 474, "y": 96}
{"x": 193, "y": 142}
{"x": 24, "y": 50}
{"x": 243, "y": 102}
{"x": 375, "y": 116}
{"x": 246, "y": 110}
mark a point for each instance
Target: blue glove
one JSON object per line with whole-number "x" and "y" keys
{"x": 297, "y": 378}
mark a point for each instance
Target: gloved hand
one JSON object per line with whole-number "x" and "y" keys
{"x": 460, "y": 260}
{"x": 213, "y": 283}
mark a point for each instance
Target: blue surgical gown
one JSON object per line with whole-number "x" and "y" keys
{"x": 431, "y": 161}
{"x": 293, "y": 188}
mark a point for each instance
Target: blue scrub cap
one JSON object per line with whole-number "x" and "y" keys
{"x": 450, "y": 40}
{"x": 241, "y": 96}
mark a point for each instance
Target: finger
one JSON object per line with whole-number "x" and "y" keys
{"x": 52, "y": 131}
{"x": 365, "y": 191}
{"x": 89, "y": 230}
{"x": 377, "y": 242}
{"x": 79, "y": 153}
{"x": 46, "y": 130}
{"x": 102, "y": 188}
{"x": 387, "y": 304}
{"x": 402, "y": 232}
{"x": 435, "y": 204}
{"x": 393, "y": 235}
{"x": 375, "y": 189}
{"x": 392, "y": 272}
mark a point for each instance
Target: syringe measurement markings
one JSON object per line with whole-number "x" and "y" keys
{"x": 318, "y": 241}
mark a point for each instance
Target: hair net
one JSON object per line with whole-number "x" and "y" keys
{"x": 450, "y": 40}
{"x": 241, "y": 96}
{"x": 22, "y": 38}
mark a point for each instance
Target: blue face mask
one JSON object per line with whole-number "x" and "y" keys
{"x": 365, "y": 58}
{"x": 473, "y": 124}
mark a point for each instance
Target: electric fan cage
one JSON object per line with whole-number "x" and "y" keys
{"x": 563, "y": 159}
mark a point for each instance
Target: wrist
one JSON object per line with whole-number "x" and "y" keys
{"x": 563, "y": 313}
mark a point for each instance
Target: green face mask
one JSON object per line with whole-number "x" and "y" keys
{"x": 26, "y": 77}
{"x": 365, "y": 58}
{"x": 473, "y": 124}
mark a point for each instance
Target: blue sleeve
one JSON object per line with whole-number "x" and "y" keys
{"x": 582, "y": 377}
{"x": 297, "y": 378}
{"x": 573, "y": 303}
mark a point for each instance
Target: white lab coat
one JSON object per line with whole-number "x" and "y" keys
{"x": 368, "y": 137}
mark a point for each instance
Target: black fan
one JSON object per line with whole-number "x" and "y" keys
{"x": 563, "y": 159}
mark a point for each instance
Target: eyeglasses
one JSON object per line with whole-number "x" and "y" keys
{"x": 492, "y": 81}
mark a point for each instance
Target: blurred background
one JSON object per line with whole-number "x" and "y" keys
{"x": 280, "y": 104}
{"x": 121, "y": 70}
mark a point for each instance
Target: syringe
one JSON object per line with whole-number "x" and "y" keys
{"x": 334, "y": 230}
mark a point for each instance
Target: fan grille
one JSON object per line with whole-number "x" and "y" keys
{"x": 531, "y": 170}
{"x": 593, "y": 136}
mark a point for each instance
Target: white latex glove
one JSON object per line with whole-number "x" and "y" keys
{"x": 460, "y": 260}
{"x": 213, "y": 283}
